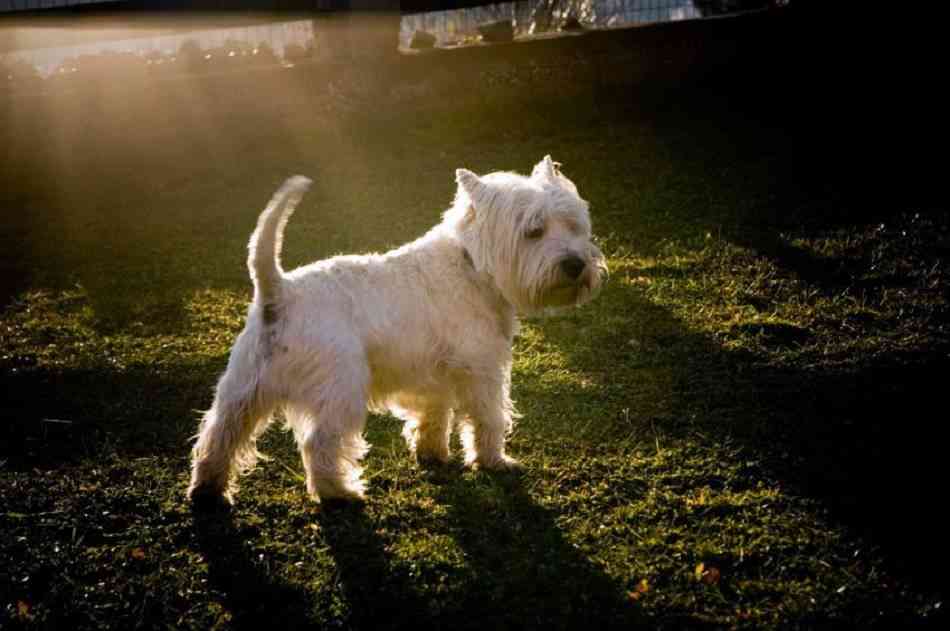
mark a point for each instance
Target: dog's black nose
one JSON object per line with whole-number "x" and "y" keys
{"x": 572, "y": 267}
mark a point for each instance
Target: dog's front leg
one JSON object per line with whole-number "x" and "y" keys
{"x": 486, "y": 423}
{"x": 427, "y": 433}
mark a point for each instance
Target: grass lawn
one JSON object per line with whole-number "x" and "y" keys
{"x": 742, "y": 431}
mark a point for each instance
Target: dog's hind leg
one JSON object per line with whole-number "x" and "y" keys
{"x": 226, "y": 444}
{"x": 328, "y": 425}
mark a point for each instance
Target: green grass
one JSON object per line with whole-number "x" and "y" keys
{"x": 740, "y": 432}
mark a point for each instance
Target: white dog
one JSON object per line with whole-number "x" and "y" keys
{"x": 424, "y": 331}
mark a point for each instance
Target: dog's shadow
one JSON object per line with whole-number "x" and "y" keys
{"x": 249, "y": 590}
{"x": 530, "y": 574}
{"x": 521, "y": 571}
{"x": 375, "y": 593}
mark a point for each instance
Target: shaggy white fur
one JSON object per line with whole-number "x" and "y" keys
{"x": 423, "y": 331}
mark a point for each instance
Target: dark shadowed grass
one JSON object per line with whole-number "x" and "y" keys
{"x": 740, "y": 432}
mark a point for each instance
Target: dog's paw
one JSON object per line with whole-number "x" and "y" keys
{"x": 502, "y": 462}
{"x": 507, "y": 463}
{"x": 330, "y": 491}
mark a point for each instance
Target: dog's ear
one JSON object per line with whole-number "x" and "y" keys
{"x": 545, "y": 170}
{"x": 471, "y": 184}
{"x": 470, "y": 222}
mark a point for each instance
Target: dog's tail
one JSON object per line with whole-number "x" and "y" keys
{"x": 263, "y": 259}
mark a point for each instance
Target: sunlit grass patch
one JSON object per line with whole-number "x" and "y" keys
{"x": 542, "y": 359}
{"x": 749, "y": 302}
{"x": 64, "y": 329}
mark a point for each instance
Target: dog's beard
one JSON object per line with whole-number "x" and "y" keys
{"x": 558, "y": 292}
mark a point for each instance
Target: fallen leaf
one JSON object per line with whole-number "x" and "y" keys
{"x": 639, "y": 591}
{"x": 23, "y": 609}
{"x": 138, "y": 554}
{"x": 711, "y": 576}
{"x": 708, "y": 575}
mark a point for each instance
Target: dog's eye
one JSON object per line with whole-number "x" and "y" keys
{"x": 534, "y": 233}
